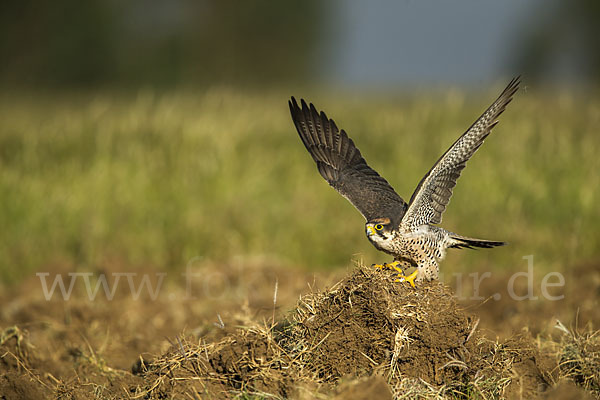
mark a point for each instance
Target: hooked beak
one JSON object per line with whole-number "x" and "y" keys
{"x": 370, "y": 231}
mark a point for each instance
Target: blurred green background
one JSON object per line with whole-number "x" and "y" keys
{"x": 149, "y": 133}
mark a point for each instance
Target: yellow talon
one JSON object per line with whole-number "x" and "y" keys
{"x": 393, "y": 265}
{"x": 410, "y": 278}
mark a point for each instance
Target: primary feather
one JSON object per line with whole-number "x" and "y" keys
{"x": 432, "y": 195}
{"x": 339, "y": 161}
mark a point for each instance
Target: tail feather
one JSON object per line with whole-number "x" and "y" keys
{"x": 462, "y": 242}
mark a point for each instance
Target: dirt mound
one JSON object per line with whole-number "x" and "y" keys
{"x": 17, "y": 360}
{"x": 364, "y": 337}
{"x": 368, "y": 322}
{"x": 15, "y": 386}
{"x": 419, "y": 342}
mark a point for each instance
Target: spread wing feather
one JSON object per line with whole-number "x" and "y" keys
{"x": 343, "y": 167}
{"x": 433, "y": 193}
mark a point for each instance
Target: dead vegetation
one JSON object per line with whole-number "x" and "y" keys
{"x": 579, "y": 358}
{"x": 365, "y": 337}
{"x": 419, "y": 342}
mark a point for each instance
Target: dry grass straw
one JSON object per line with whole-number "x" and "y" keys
{"x": 578, "y": 355}
{"x": 284, "y": 359}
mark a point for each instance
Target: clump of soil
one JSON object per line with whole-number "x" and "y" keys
{"x": 368, "y": 322}
{"x": 418, "y": 342}
{"x": 364, "y": 337}
{"x": 17, "y": 360}
{"x": 247, "y": 362}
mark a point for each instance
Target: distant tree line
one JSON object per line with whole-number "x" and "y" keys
{"x": 164, "y": 43}
{"x": 173, "y": 43}
{"x": 563, "y": 38}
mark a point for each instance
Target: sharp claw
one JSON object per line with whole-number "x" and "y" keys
{"x": 410, "y": 278}
{"x": 392, "y": 265}
{"x": 401, "y": 277}
{"x": 398, "y": 270}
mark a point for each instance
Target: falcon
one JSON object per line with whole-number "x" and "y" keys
{"x": 405, "y": 231}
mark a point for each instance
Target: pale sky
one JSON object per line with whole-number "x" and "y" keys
{"x": 378, "y": 43}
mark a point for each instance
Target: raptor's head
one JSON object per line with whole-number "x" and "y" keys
{"x": 379, "y": 231}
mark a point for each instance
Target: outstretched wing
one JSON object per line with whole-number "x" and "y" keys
{"x": 343, "y": 167}
{"x": 433, "y": 193}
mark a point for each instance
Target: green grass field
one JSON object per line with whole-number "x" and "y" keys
{"x": 159, "y": 179}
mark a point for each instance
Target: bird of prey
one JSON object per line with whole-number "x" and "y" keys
{"x": 405, "y": 231}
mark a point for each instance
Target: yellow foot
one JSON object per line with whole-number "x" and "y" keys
{"x": 393, "y": 265}
{"x": 410, "y": 278}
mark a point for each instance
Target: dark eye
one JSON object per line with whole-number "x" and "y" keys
{"x": 379, "y": 227}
